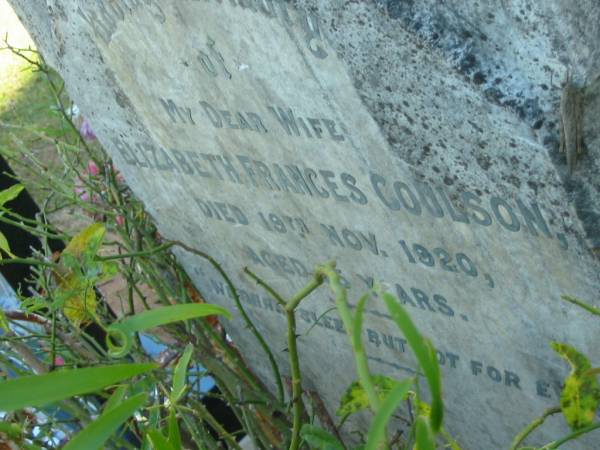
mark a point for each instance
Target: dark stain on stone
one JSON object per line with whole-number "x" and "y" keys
{"x": 538, "y": 124}
{"x": 479, "y": 78}
{"x": 484, "y": 161}
{"x": 467, "y": 63}
{"x": 475, "y": 126}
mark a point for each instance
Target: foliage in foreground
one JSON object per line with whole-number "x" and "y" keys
{"x": 67, "y": 386}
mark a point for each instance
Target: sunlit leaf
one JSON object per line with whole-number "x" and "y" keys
{"x": 424, "y": 435}
{"x": 78, "y": 298}
{"x": 319, "y": 439}
{"x": 180, "y": 373}
{"x": 40, "y": 390}
{"x": 425, "y": 355}
{"x": 88, "y": 240}
{"x": 11, "y": 193}
{"x": 581, "y": 395}
{"x": 78, "y": 272}
{"x": 5, "y": 246}
{"x": 355, "y": 398}
{"x": 98, "y": 431}
{"x": 389, "y": 405}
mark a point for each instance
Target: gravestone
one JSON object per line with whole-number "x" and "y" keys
{"x": 416, "y": 143}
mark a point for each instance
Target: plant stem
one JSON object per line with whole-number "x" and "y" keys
{"x": 532, "y": 426}
{"x": 589, "y": 308}
{"x": 290, "y": 310}
{"x": 554, "y": 445}
{"x": 360, "y": 358}
{"x": 298, "y": 406}
{"x": 245, "y": 317}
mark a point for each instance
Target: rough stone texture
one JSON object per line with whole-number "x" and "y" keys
{"x": 461, "y": 97}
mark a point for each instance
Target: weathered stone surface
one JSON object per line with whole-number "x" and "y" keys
{"x": 422, "y": 152}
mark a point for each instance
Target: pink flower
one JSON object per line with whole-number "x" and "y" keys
{"x": 82, "y": 193}
{"x": 93, "y": 169}
{"x": 86, "y": 131}
{"x": 120, "y": 220}
{"x": 59, "y": 361}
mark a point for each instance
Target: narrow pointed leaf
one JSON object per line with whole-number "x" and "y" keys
{"x": 180, "y": 373}
{"x": 425, "y": 355}
{"x": 168, "y": 314}
{"x": 96, "y": 433}
{"x": 40, "y": 390}
{"x": 116, "y": 398}
{"x": 389, "y": 405}
{"x": 122, "y": 331}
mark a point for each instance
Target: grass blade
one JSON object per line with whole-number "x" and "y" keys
{"x": 94, "y": 435}
{"x": 39, "y": 390}
{"x": 389, "y": 405}
{"x": 425, "y": 355}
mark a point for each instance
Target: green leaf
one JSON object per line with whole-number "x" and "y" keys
{"x": 168, "y": 314}
{"x": 581, "y": 395}
{"x": 122, "y": 331}
{"x": 451, "y": 442}
{"x": 425, "y": 355}
{"x": 116, "y": 398}
{"x": 389, "y": 405}
{"x": 95, "y": 434}
{"x": 424, "y": 434}
{"x": 158, "y": 441}
{"x": 174, "y": 434}
{"x": 180, "y": 373}
{"x": 355, "y": 398}
{"x": 11, "y": 193}
{"x": 319, "y": 439}
{"x": 5, "y": 246}
{"x": 87, "y": 241}
{"x": 39, "y": 390}
{"x": 4, "y": 325}
{"x": 358, "y": 321}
